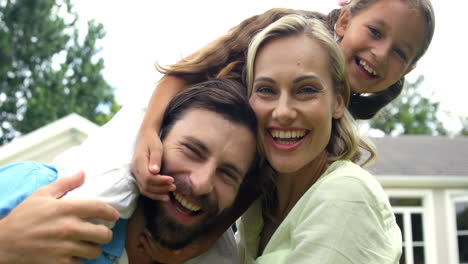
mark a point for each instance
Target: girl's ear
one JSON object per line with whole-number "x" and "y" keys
{"x": 410, "y": 68}
{"x": 342, "y": 22}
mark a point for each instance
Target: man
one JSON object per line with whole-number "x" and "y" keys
{"x": 208, "y": 135}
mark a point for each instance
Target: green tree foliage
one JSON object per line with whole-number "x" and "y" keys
{"x": 48, "y": 70}
{"x": 410, "y": 113}
{"x": 464, "y": 122}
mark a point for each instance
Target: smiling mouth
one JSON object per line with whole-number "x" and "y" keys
{"x": 183, "y": 205}
{"x": 288, "y": 137}
{"x": 366, "y": 68}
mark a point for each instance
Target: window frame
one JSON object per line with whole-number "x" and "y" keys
{"x": 454, "y": 196}
{"x": 427, "y": 211}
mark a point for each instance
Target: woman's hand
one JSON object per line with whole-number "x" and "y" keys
{"x": 146, "y": 166}
{"x": 45, "y": 229}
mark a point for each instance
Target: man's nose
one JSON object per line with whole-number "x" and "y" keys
{"x": 202, "y": 179}
{"x": 284, "y": 112}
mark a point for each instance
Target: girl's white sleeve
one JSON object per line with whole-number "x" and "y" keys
{"x": 105, "y": 157}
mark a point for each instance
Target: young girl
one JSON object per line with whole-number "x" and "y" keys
{"x": 382, "y": 41}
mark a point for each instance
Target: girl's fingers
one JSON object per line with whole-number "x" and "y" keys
{"x": 159, "y": 180}
{"x": 158, "y": 197}
{"x": 155, "y": 154}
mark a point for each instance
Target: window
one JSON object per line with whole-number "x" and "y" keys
{"x": 461, "y": 217}
{"x": 409, "y": 213}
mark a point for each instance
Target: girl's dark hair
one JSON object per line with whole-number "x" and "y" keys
{"x": 366, "y": 106}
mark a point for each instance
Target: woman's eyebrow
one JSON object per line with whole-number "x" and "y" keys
{"x": 264, "y": 79}
{"x": 306, "y": 77}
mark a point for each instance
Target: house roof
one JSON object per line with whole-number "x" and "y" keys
{"x": 45, "y": 143}
{"x": 421, "y": 156}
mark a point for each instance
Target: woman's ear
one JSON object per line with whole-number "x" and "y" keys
{"x": 342, "y": 22}
{"x": 340, "y": 107}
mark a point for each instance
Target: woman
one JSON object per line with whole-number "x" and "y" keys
{"x": 320, "y": 207}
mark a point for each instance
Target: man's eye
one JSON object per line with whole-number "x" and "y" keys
{"x": 193, "y": 150}
{"x": 230, "y": 177}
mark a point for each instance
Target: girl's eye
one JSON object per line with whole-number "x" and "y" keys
{"x": 375, "y": 32}
{"x": 401, "y": 54}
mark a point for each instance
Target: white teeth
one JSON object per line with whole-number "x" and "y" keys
{"x": 285, "y": 142}
{"x": 367, "y": 67}
{"x": 287, "y": 134}
{"x": 186, "y": 203}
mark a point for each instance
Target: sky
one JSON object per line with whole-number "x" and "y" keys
{"x": 141, "y": 33}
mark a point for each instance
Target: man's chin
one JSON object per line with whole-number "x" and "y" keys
{"x": 173, "y": 235}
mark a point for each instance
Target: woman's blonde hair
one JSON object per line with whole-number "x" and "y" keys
{"x": 345, "y": 142}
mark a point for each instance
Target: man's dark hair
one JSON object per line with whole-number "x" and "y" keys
{"x": 223, "y": 96}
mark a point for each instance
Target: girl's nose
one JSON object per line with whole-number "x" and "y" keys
{"x": 381, "y": 51}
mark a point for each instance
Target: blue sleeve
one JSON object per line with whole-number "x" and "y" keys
{"x": 112, "y": 251}
{"x": 19, "y": 180}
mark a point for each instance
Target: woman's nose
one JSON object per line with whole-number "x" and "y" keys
{"x": 284, "y": 113}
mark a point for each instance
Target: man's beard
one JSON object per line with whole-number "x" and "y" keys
{"x": 172, "y": 234}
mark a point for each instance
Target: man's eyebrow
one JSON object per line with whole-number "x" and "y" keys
{"x": 202, "y": 146}
{"x": 207, "y": 151}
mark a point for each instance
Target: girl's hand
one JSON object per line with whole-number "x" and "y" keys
{"x": 146, "y": 165}
{"x": 45, "y": 229}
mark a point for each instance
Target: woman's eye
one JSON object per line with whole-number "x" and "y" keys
{"x": 308, "y": 90}
{"x": 265, "y": 90}
{"x": 375, "y": 32}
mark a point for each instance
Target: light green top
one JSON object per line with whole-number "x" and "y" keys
{"x": 345, "y": 217}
